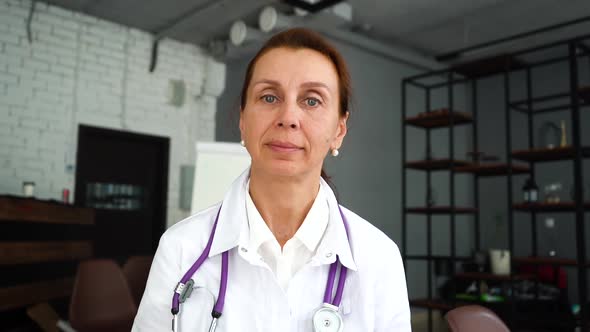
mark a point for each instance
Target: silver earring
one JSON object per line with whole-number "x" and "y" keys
{"x": 335, "y": 152}
{"x": 243, "y": 143}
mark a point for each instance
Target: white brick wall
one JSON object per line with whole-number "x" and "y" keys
{"x": 83, "y": 70}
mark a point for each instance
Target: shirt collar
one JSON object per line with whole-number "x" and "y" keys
{"x": 335, "y": 240}
{"x": 232, "y": 226}
{"x": 309, "y": 233}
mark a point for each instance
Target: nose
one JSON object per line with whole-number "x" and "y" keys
{"x": 288, "y": 116}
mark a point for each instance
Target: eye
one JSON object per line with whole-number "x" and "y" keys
{"x": 312, "y": 102}
{"x": 270, "y": 99}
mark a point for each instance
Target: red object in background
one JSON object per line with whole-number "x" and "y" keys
{"x": 547, "y": 273}
{"x": 65, "y": 196}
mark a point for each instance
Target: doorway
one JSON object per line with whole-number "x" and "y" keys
{"x": 124, "y": 177}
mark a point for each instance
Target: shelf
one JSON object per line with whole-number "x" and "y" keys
{"x": 546, "y": 261}
{"x": 491, "y": 276}
{"x": 441, "y": 210}
{"x": 431, "y": 304}
{"x": 522, "y": 105}
{"x": 436, "y": 164}
{"x": 439, "y": 118}
{"x": 492, "y": 169}
{"x": 546, "y": 154}
{"x": 548, "y": 207}
{"x": 19, "y": 209}
{"x": 489, "y": 66}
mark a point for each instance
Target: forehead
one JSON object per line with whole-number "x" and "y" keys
{"x": 296, "y": 66}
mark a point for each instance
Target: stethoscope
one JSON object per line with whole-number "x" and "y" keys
{"x": 325, "y": 319}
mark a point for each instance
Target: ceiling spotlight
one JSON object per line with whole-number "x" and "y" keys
{"x": 240, "y": 33}
{"x": 271, "y": 20}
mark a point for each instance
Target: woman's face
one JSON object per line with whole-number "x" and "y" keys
{"x": 291, "y": 118}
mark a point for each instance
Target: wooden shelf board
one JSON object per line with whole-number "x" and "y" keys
{"x": 548, "y": 207}
{"x": 522, "y": 105}
{"x": 441, "y": 210}
{"x": 438, "y": 119}
{"x": 492, "y": 169}
{"x": 489, "y": 66}
{"x": 436, "y": 164}
{"x": 546, "y": 154}
{"x": 17, "y": 209}
{"x": 491, "y": 276}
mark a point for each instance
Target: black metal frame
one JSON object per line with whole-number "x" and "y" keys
{"x": 448, "y": 78}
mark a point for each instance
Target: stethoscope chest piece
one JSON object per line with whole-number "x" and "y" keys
{"x": 327, "y": 319}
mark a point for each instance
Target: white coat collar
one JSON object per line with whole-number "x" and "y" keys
{"x": 232, "y": 226}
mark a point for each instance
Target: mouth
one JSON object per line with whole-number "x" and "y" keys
{"x": 281, "y": 146}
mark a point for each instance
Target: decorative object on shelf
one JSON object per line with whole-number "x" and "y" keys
{"x": 530, "y": 191}
{"x": 28, "y": 189}
{"x": 563, "y": 141}
{"x": 65, "y": 196}
{"x": 552, "y": 192}
{"x": 500, "y": 261}
{"x": 549, "y": 135}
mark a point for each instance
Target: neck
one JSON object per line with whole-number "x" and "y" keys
{"x": 283, "y": 202}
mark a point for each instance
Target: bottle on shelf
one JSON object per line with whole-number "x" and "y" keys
{"x": 530, "y": 191}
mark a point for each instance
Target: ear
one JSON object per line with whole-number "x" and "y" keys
{"x": 341, "y": 131}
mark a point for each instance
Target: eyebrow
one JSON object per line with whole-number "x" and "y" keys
{"x": 304, "y": 85}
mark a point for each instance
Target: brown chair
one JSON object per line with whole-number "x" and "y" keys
{"x": 101, "y": 299}
{"x": 136, "y": 270}
{"x": 474, "y": 318}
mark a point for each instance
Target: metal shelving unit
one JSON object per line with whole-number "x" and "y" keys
{"x": 517, "y": 162}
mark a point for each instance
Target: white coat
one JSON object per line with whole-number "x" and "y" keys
{"x": 374, "y": 299}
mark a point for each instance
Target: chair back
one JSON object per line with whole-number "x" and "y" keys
{"x": 101, "y": 299}
{"x": 474, "y": 318}
{"x": 136, "y": 269}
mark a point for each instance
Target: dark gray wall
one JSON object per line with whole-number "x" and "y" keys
{"x": 561, "y": 238}
{"x": 367, "y": 174}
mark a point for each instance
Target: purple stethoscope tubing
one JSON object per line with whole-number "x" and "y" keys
{"x": 218, "y": 308}
{"x": 332, "y": 273}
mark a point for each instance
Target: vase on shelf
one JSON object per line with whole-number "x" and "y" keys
{"x": 552, "y": 193}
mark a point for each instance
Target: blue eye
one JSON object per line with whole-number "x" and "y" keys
{"x": 312, "y": 102}
{"x": 269, "y": 99}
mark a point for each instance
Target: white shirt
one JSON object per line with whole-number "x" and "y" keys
{"x": 298, "y": 250}
{"x": 374, "y": 298}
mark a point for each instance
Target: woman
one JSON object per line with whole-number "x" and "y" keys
{"x": 294, "y": 259}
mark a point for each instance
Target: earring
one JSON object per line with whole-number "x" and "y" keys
{"x": 335, "y": 152}
{"x": 243, "y": 143}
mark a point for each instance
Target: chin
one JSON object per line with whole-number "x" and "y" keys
{"x": 282, "y": 168}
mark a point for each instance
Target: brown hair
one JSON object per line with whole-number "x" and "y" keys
{"x": 301, "y": 38}
{"x": 298, "y": 38}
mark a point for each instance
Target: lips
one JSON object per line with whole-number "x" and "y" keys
{"x": 281, "y": 146}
